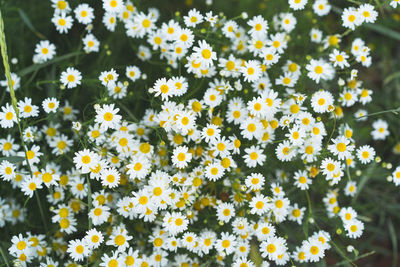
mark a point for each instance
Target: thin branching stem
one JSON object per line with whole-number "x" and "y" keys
{"x": 4, "y": 55}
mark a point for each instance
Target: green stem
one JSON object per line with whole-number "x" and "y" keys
{"x": 394, "y": 110}
{"x": 41, "y": 210}
{"x": 4, "y": 55}
{"x": 89, "y": 200}
{"x": 4, "y": 257}
{"x": 348, "y": 171}
{"x": 309, "y": 204}
{"x": 333, "y": 130}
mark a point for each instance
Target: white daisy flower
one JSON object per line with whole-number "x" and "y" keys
{"x": 71, "y": 77}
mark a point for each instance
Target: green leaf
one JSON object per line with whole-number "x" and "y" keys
{"x": 393, "y": 237}
{"x": 321, "y": 263}
{"x": 35, "y": 67}
{"x": 367, "y": 175}
{"x": 391, "y": 77}
{"x": 384, "y": 31}
{"x": 26, "y": 20}
{"x": 13, "y": 159}
{"x": 28, "y": 23}
{"x": 255, "y": 254}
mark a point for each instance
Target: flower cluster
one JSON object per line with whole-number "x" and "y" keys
{"x": 244, "y": 142}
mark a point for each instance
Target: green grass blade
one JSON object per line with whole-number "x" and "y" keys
{"x": 28, "y": 23}
{"x": 12, "y": 159}
{"x": 393, "y": 238}
{"x": 35, "y": 67}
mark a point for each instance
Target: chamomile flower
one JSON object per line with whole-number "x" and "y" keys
{"x": 394, "y": 3}
{"x": 49, "y": 177}
{"x": 380, "y": 131}
{"x": 212, "y": 19}
{"x": 354, "y": 228}
{"x": 396, "y": 176}
{"x": 78, "y": 250}
{"x": 316, "y": 35}
{"x": 272, "y": 247}
{"x": 341, "y": 147}
{"x": 20, "y": 245}
{"x": 110, "y": 177}
{"x": 214, "y": 171}
{"x": 85, "y": 160}
{"x": 15, "y": 81}
{"x": 60, "y": 6}
{"x": 285, "y": 151}
{"x": 30, "y": 184}
{"x": 278, "y": 41}
{"x": 71, "y": 77}
{"x": 251, "y": 70}
{"x": 204, "y": 54}
{"x": 347, "y": 214}
{"x": 251, "y": 128}
{"x": 108, "y": 77}
{"x": 258, "y": 25}
{"x": 280, "y": 208}
{"x": 114, "y": 6}
{"x": 321, "y": 7}
{"x": 254, "y": 156}
{"x": 7, "y": 116}
{"x": 110, "y": 21}
{"x": 225, "y": 212}
{"x": 296, "y": 214}
{"x": 270, "y": 56}
{"x": 351, "y": 18}
{"x": 348, "y": 98}
{"x": 320, "y": 69}
{"x": 331, "y": 169}
{"x": 210, "y": 132}
{"x": 138, "y": 168}
{"x": 193, "y": 18}
{"x": 229, "y": 28}
{"x": 302, "y": 180}
{"x": 163, "y": 87}
{"x": 133, "y": 73}
{"x": 364, "y": 96}
{"x": 99, "y": 215}
{"x": 45, "y": 50}
{"x": 212, "y": 98}
{"x": 181, "y": 157}
{"x": 226, "y": 243}
{"x": 7, "y": 170}
{"x": 365, "y": 154}
{"x": 26, "y": 109}
{"x": 367, "y": 13}
{"x": 62, "y": 21}
{"x": 255, "y": 181}
{"x": 350, "y": 189}
{"x": 339, "y": 59}
{"x": 313, "y": 250}
{"x": 322, "y": 101}
{"x": 32, "y": 155}
{"x": 297, "y": 4}
{"x": 84, "y": 14}
{"x": 107, "y": 117}
{"x": 50, "y": 105}
{"x": 91, "y": 44}
{"x": 259, "y": 205}
{"x": 119, "y": 238}
{"x": 175, "y": 223}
